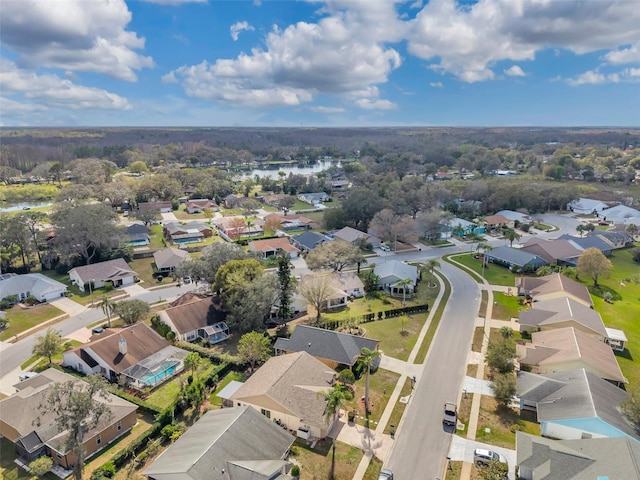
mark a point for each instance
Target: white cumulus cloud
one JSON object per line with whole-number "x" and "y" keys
{"x": 238, "y": 27}
{"x": 74, "y": 35}
{"x": 514, "y": 71}
{"x": 437, "y": 84}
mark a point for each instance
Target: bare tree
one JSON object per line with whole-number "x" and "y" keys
{"x": 317, "y": 290}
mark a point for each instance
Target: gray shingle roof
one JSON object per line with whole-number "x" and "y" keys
{"x": 229, "y": 440}
{"x": 35, "y": 283}
{"x": 585, "y": 459}
{"x": 170, "y": 257}
{"x": 326, "y": 344}
{"x": 590, "y": 241}
{"x": 104, "y": 271}
{"x": 309, "y": 240}
{"x": 514, "y": 256}
{"x": 397, "y": 269}
{"x": 559, "y": 310}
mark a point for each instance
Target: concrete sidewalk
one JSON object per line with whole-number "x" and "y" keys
{"x": 372, "y": 442}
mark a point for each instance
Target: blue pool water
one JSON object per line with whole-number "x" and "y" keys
{"x": 152, "y": 378}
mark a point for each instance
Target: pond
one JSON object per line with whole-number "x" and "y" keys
{"x": 294, "y": 169}
{"x": 14, "y": 207}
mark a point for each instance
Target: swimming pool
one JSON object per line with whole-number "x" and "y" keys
{"x": 159, "y": 373}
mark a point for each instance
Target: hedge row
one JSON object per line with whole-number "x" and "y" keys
{"x": 370, "y": 317}
{"x": 213, "y": 355}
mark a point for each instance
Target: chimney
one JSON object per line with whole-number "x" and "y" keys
{"x": 122, "y": 346}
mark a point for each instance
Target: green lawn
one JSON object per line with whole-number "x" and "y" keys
{"x": 399, "y": 407}
{"x": 362, "y": 306}
{"x": 181, "y": 214}
{"x": 435, "y": 321}
{"x": 315, "y": 463}
{"x": 494, "y": 274}
{"x": 213, "y": 398}
{"x": 381, "y": 385}
{"x": 397, "y": 335}
{"x": 503, "y": 423}
{"x": 144, "y": 268}
{"x": 155, "y": 237}
{"x": 505, "y": 306}
{"x": 21, "y": 319}
{"x": 623, "y": 313}
{"x": 167, "y": 392}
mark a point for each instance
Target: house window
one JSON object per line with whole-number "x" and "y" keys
{"x": 119, "y": 426}
{"x": 266, "y": 413}
{"x": 59, "y": 455}
{"x": 98, "y": 439}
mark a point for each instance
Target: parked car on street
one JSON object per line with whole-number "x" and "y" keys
{"x": 450, "y": 414}
{"x": 385, "y": 474}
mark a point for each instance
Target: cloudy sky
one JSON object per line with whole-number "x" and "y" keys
{"x": 319, "y": 63}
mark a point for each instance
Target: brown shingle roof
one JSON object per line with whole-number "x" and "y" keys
{"x": 142, "y": 342}
{"x": 193, "y": 315}
{"x": 568, "y": 346}
{"x": 104, "y": 271}
{"x": 559, "y": 310}
{"x": 553, "y": 250}
{"x": 539, "y": 287}
{"x": 293, "y": 381}
{"x": 280, "y": 243}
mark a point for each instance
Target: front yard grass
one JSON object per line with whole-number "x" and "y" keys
{"x": 435, "y": 321}
{"x": 397, "y": 335}
{"x": 503, "y": 423}
{"x": 373, "y": 470}
{"x": 505, "y": 306}
{"x": 144, "y": 268}
{"x": 381, "y": 385}
{"x": 21, "y": 319}
{"x": 228, "y": 378}
{"x": 10, "y": 470}
{"x": 315, "y": 463}
{"x": 495, "y": 274}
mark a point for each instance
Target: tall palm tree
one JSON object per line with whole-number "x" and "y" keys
{"x": 404, "y": 284}
{"x": 107, "y": 307}
{"x": 511, "y": 235}
{"x": 336, "y": 398}
{"x": 485, "y": 247}
{"x": 367, "y": 358}
{"x": 431, "y": 265}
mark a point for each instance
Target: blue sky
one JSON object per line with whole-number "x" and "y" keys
{"x": 319, "y": 63}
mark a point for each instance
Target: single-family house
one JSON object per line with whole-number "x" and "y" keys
{"x": 285, "y": 389}
{"x": 391, "y": 273}
{"x": 116, "y": 271}
{"x": 514, "y": 258}
{"x": 272, "y": 247}
{"x": 167, "y": 259}
{"x": 583, "y": 459}
{"x": 356, "y": 237}
{"x": 619, "y": 214}
{"x": 34, "y": 439}
{"x": 562, "y": 312}
{"x": 616, "y": 238}
{"x": 289, "y": 222}
{"x": 339, "y": 184}
{"x": 314, "y": 198}
{"x": 238, "y": 227}
{"x": 459, "y": 227}
{"x": 41, "y": 287}
{"x": 234, "y": 201}
{"x": 336, "y": 297}
{"x": 494, "y": 222}
{"x": 273, "y": 199}
{"x": 575, "y": 404}
{"x": 307, "y": 241}
{"x": 590, "y": 241}
{"x": 136, "y": 235}
{"x": 334, "y": 349}
{"x": 199, "y": 205}
{"x": 554, "y": 252}
{"x": 197, "y": 318}
{"x": 228, "y": 444}
{"x": 553, "y": 286}
{"x": 162, "y": 207}
{"x": 515, "y": 216}
{"x": 586, "y": 206}
{"x": 135, "y": 356}
{"x": 349, "y": 283}
{"x": 567, "y": 349}
{"x": 187, "y": 233}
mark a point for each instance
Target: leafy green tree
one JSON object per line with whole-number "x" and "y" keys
{"x": 346, "y": 376}
{"x": 506, "y": 332}
{"x": 131, "y": 311}
{"x": 138, "y": 167}
{"x": 594, "y": 264}
{"x": 334, "y": 219}
{"x": 34, "y": 221}
{"x": 254, "y": 347}
{"x": 367, "y": 359}
{"x": 287, "y": 286}
{"x": 360, "y": 207}
{"x": 494, "y": 471}
{"x": 78, "y": 407}
{"x": 48, "y": 344}
{"x": 335, "y": 398}
{"x": 504, "y": 387}
{"x": 370, "y": 281}
{"x": 147, "y": 215}
{"x": 236, "y": 273}
{"x": 249, "y": 304}
{"x": 40, "y": 466}
{"x": 334, "y": 256}
{"x": 500, "y": 354}
{"x": 511, "y": 235}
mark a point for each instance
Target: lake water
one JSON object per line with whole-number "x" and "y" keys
{"x": 14, "y": 207}
{"x": 273, "y": 172}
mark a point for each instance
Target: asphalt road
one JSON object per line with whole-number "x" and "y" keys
{"x": 422, "y": 444}
{"x": 12, "y": 355}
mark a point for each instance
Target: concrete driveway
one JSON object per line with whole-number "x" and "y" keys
{"x": 68, "y": 306}
{"x": 462, "y": 449}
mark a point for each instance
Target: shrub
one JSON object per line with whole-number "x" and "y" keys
{"x": 295, "y": 471}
